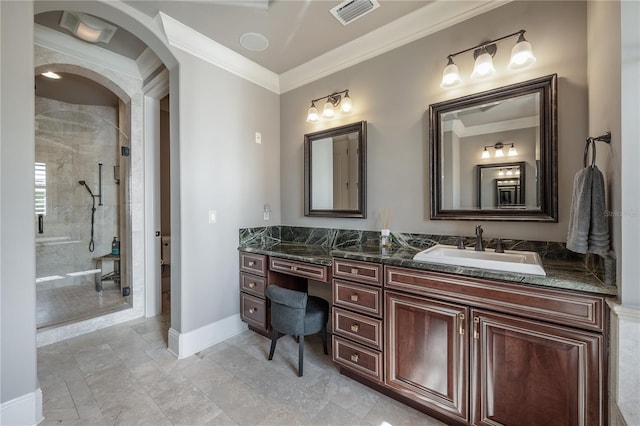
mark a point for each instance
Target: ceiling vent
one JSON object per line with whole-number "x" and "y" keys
{"x": 350, "y": 10}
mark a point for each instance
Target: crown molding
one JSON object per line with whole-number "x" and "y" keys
{"x": 429, "y": 19}
{"x": 65, "y": 44}
{"x": 191, "y": 41}
{"x": 147, "y": 63}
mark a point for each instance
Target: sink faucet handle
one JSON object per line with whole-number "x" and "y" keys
{"x": 461, "y": 243}
{"x": 499, "y": 248}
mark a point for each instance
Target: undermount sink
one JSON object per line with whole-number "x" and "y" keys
{"x": 526, "y": 262}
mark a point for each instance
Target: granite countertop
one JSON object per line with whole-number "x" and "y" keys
{"x": 563, "y": 274}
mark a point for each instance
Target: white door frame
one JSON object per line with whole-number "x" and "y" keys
{"x": 155, "y": 90}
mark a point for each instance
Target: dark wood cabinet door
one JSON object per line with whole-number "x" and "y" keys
{"x": 426, "y": 351}
{"x": 528, "y": 373}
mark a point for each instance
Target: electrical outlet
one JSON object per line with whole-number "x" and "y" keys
{"x": 258, "y": 137}
{"x": 212, "y": 216}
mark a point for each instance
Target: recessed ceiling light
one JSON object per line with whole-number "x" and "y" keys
{"x": 87, "y": 27}
{"x": 51, "y": 74}
{"x": 254, "y": 42}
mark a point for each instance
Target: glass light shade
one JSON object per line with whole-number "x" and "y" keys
{"x": 346, "y": 104}
{"x": 485, "y": 153}
{"x": 501, "y": 172}
{"x": 521, "y": 54}
{"x": 483, "y": 67}
{"x": 499, "y": 153}
{"x": 509, "y": 172}
{"x": 450, "y": 75}
{"x": 518, "y": 171}
{"x": 312, "y": 115}
{"x": 88, "y": 33}
{"x": 328, "y": 111}
{"x": 512, "y": 151}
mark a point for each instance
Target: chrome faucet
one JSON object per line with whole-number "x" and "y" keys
{"x": 479, "y": 246}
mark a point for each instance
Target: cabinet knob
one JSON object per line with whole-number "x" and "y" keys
{"x": 253, "y": 310}
{"x": 354, "y": 270}
{"x": 252, "y": 285}
{"x": 354, "y": 357}
{"x": 354, "y": 297}
{"x": 355, "y": 327}
{"x": 252, "y": 263}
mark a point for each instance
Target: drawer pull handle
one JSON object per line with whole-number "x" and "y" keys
{"x": 294, "y": 268}
{"x": 252, "y": 285}
{"x": 461, "y": 317}
{"x": 253, "y": 310}
{"x": 354, "y": 357}
{"x": 354, "y": 297}
{"x": 252, "y": 263}
{"x": 355, "y": 327}
{"x": 476, "y": 328}
{"x": 354, "y": 270}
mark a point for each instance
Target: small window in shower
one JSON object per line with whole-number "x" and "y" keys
{"x": 41, "y": 189}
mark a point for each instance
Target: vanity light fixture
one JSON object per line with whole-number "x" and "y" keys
{"x": 521, "y": 56}
{"x": 333, "y": 100}
{"x": 499, "y": 147}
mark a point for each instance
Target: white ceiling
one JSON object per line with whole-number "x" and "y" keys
{"x": 297, "y": 30}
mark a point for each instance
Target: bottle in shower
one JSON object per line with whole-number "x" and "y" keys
{"x": 115, "y": 246}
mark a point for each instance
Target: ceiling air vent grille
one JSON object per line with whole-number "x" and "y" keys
{"x": 350, "y": 10}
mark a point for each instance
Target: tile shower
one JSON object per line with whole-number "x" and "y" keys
{"x": 71, "y": 141}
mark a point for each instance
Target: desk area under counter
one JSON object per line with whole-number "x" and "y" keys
{"x": 426, "y": 334}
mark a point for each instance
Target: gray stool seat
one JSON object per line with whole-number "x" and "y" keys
{"x": 297, "y": 314}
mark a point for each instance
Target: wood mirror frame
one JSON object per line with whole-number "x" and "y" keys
{"x": 542, "y": 165}
{"x": 323, "y": 176}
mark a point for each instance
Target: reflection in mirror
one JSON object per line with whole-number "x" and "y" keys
{"x": 479, "y": 143}
{"x": 335, "y": 164}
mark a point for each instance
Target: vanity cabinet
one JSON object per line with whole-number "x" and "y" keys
{"x": 495, "y": 353}
{"x": 427, "y": 351}
{"x": 357, "y": 317}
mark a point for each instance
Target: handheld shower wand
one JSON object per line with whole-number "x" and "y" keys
{"x": 93, "y": 213}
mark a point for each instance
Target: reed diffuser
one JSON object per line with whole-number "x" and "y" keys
{"x": 385, "y": 234}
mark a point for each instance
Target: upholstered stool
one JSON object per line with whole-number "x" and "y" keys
{"x": 297, "y": 314}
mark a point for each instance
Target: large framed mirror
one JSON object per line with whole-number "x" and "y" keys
{"x": 335, "y": 164}
{"x": 479, "y": 142}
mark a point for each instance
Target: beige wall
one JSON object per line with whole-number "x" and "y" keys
{"x": 393, "y": 92}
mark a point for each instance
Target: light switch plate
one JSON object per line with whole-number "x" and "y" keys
{"x": 212, "y": 216}
{"x": 258, "y": 137}
{"x": 266, "y": 215}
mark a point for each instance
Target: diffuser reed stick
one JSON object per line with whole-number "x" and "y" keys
{"x": 385, "y": 217}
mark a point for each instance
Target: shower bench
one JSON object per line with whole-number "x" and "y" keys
{"x": 111, "y": 276}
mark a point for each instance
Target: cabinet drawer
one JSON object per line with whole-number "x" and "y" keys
{"x": 253, "y": 263}
{"x": 252, "y": 284}
{"x": 357, "y": 297}
{"x": 360, "y": 328}
{"x": 301, "y": 269}
{"x": 560, "y": 306}
{"x": 364, "y": 272}
{"x": 253, "y": 311}
{"x": 357, "y": 358}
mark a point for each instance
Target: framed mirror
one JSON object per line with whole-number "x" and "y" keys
{"x": 335, "y": 172}
{"x": 475, "y": 138}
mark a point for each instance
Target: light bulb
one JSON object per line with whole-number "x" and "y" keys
{"x": 312, "y": 115}
{"x": 521, "y": 54}
{"x": 485, "y": 153}
{"x": 483, "y": 66}
{"x": 346, "y": 104}
{"x": 512, "y": 151}
{"x": 328, "y": 111}
{"x": 450, "y": 75}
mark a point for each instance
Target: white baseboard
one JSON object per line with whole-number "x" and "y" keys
{"x": 183, "y": 345}
{"x": 24, "y": 410}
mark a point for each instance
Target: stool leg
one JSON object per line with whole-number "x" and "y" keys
{"x": 274, "y": 340}
{"x": 300, "y": 354}
{"x": 323, "y": 334}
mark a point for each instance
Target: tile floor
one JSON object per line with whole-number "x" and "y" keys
{"x": 123, "y": 375}
{"x": 55, "y": 306}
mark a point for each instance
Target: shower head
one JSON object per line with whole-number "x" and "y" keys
{"x": 83, "y": 183}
